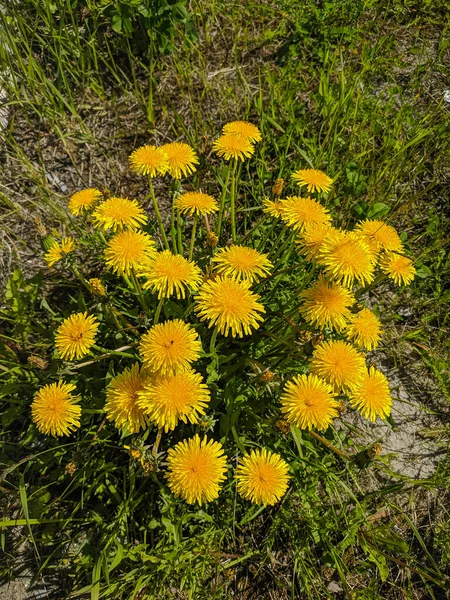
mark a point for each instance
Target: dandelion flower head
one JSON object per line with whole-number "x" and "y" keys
{"x": 364, "y": 329}
{"x": 83, "y": 200}
{"x": 262, "y": 477}
{"x": 149, "y": 160}
{"x": 129, "y": 250}
{"x": 313, "y": 179}
{"x": 169, "y": 347}
{"x": 170, "y": 274}
{"x": 347, "y": 258}
{"x": 372, "y": 396}
{"x": 308, "y": 401}
{"x": 196, "y": 468}
{"x": 399, "y": 268}
{"x": 300, "y": 212}
{"x": 230, "y": 306}
{"x": 122, "y": 399}
{"x": 230, "y": 146}
{"x": 243, "y": 128}
{"x": 181, "y": 159}
{"x": 54, "y": 409}
{"x": 76, "y": 335}
{"x": 196, "y": 203}
{"x": 273, "y": 208}
{"x": 96, "y": 287}
{"x": 57, "y": 251}
{"x": 338, "y": 363}
{"x": 119, "y": 213}
{"x": 326, "y": 304}
{"x": 241, "y": 262}
{"x": 167, "y": 399}
{"x": 311, "y": 239}
{"x": 379, "y": 236}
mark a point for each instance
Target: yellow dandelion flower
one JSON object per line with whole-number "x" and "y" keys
{"x": 83, "y": 200}
{"x": 54, "y": 409}
{"x": 181, "y": 159}
{"x": 339, "y": 363}
{"x": 308, "y": 401}
{"x": 196, "y": 468}
{"x": 372, "y": 396}
{"x": 313, "y": 179}
{"x": 168, "y": 399}
{"x": 241, "y": 262}
{"x": 247, "y": 130}
{"x": 327, "y": 304}
{"x": 57, "y": 251}
{"x": 76, "y": 335}
{"x": 274, "y": 209}
{"x": 129, "y": 250}
{"x": 170, "y": 347}
{"x": 230, "y": 146}
{"x": 379, "y": 236}
{"x": 211, "y": 239}
{"x": 262, "y": 477}
{"x": 399, "y": 268}
{"x": 96, "y": 287}
{"x": 347, "y": 258}
{"x": 196, "y": 203}
{"x": 364, "y": 329}
{"x": 149, "y": 160}
{"x": 298, "y": 212}
{"x": 230, "y": 306}
{"x": 122, "y": 405}
{"x": 171, "y": 274}
{"x": 119, "y": 213}
{"x": 277, "y": 188}
{"x": 312, "y": 238}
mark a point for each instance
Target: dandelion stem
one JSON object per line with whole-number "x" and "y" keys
{"x": 329, "y": 445}
{"x": 194, "y": 231}
{"x": 158, "y": 214}
{"x": 233, "y": 201}
{"x": 212, "y": 343}
{"x": 222, "y": 201}
{"x": 138, "y": 290}
{"x": 179, "y": 233}
{"x": 157, "y": 441}
{"x": 158, "y": 311}
{"x": 173, "y": 228}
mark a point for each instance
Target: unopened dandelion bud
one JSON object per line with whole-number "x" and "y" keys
{"x": 267, "y": 376}
{"x": 70, "y": 469}
{"x": 283, "y": 425}
{"x": 211, "y": 239}
{"x": 40, "y": 228}
{"x": 375, "y": 450}
{"x": 278, "y": 186}
{"x": 38, "y": 362}
{"x": 96, "y": 287}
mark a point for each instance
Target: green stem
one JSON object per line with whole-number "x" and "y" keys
{"x": 212, "y": 343}
{"x": 179, "y": 233}
{"x": 233, "y": 202}
{"x": 222, "y": 201}
{"x": 194, "y": 230}
{"x": 173, "y": 229}
{"x": 158, "y": 311}
{"x": 157, "y": 441}
{"x": 158, "y": 215}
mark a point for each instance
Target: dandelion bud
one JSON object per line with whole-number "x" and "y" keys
{"x": 70, "y": 469}
{"x": 96, "y": 287}
{"x": 38, "y": 362}
{"x": 40, "y": 228}
{"x": 211, "y": 239}
{"x": 375, "y": 450}
{"x": 267, "y": 376}
{"x": 282, "y": 425}
{"x": 278, "y": 186}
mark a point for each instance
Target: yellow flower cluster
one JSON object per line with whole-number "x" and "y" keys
{"x": 162, "y": 389}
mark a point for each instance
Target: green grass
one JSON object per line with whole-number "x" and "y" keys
{"x": 355, "y": 88}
